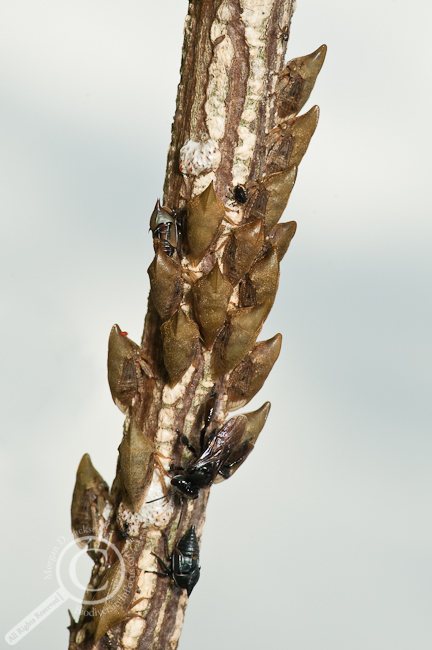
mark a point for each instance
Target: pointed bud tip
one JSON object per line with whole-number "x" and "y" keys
{"x": 320, "y": 53}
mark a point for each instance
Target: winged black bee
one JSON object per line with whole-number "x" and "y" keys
{"x": 182, "y": 565}
{"x": 224, "y": 447}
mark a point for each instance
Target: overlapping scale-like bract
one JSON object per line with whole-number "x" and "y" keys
{"x": 126, "y": 368}
{"x": 249, "y": 375}
{"x": 204, "y": 217}
{"x": 254, "y": 425}
{"x": 296, "y": 82}
{"x": 137, "y": 462}
{"x": 90, "y": 496}
{"x": 237, "y": 337}
{"x": 242, "y": 248}
{"x": 281, "y": 236}
{"x": 180, "y": 336}
{"x": 166, "y": 283}
{"x": 262, "y": 281}
{"x": 288, "y": 142}
{"x": 211, "y": 296}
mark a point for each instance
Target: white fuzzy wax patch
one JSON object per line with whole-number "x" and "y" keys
{"x": 157, "y": 513}
{"x": 198, "y": 157}
{"x": 126, "y": 516}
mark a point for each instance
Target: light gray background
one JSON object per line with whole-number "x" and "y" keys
{"x": 322, "y": 541}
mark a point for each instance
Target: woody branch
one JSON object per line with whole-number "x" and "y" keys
{"x": 213, "y": 282}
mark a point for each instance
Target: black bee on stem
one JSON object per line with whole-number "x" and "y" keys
{"x": 182, "y": 565}
{"x": 223, "y": 445}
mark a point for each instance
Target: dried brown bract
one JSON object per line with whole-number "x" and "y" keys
{"x": 126, "y": 368}
{"x": 113, "y": 599}
{"x": 180, "y": 339}
{"x": 204, "y": 217}
{"x": 211, "y": 296}
{"x": 269, "y": 197}
{"x": 281, "y": 236}
{"x": 138, "y": 459}
{"x": 166, "y": 283}
{"x": 248, "y": 377}
{"x": 236, "y": 338}
{"x": 90, "y": 496}
{"x": 297, "y": 81}
{"x": 288, "y": 142}
{"x": 262, "y": 281}
{"x": 255, "y": 423}
{"x": 241, "y": 249}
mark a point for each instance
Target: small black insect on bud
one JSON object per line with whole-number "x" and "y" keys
{"x": 240, "y": 193}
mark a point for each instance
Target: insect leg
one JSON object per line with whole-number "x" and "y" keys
{"x": 163, "y": 565}
{"x": 184, "y": 440}
{"x": 158, "y": 573}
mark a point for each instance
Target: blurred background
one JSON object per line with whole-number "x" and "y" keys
{"x": 323, "y": 540}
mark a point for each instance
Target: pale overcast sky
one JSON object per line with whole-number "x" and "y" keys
{"x": 323, "y": 540}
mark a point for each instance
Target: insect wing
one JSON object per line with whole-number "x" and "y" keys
{"x": 222, "y": 443}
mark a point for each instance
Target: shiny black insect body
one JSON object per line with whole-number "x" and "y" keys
{"x": 183, "y": 564}
{"x": 166, "y": 226}
{"x": 240, "y": 193}
{"x": 125, "y": 532}
{"x": 202, "y": 472}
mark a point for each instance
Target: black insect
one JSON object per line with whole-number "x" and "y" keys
{"x": 221, "y": 445}
{"x": 125, "y": 532}
{"x": 240, "y": 193}
{"x": 183, "y": 564}
{"x": 285, "y": 33}
{"x": 166, "y": 226}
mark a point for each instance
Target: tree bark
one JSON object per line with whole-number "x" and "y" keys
{"x": 231, "y": 55}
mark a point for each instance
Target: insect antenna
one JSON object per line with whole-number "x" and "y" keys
{"x": 165, "y": 496}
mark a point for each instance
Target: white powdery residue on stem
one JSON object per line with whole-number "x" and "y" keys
{"x": 171, "y": 395}
{"x": 133, "y": 632}
{"x": 147, "y": 562}
{"x": 248, "y": 139}
{"x": 179, "y": 620}
{"x": 160, "y": 619}
{"x": 159, "y": 512}
{"x": 164, "y": 434}
{"x": 166, "y": 418}
{"x": 218, "y": 86}
{"x": 202, "y": 182}
{"x": 255, "y": 17}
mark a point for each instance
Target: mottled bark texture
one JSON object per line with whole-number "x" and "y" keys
{"x": 214, "y": 280}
